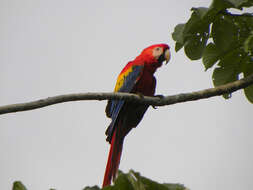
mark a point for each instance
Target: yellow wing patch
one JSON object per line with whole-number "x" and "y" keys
{"x": 121, "y": 79}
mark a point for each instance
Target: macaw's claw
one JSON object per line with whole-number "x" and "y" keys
{"x": 140, "y": 95}
{"x": 154, "y": 107}
{"x": 158, "y": 96}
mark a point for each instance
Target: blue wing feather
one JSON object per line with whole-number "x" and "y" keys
{"x": 114, "y": 106}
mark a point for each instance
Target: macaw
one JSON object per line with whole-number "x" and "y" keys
{"x": 136, "y": 77}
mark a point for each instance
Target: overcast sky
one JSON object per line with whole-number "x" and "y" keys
{"x": 53, "y": 47}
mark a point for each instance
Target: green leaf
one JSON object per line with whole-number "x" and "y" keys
{"x": 219, "y": 5}
{"x": 137, "y": 184}
{"x": 177, "y": 35}
{"x": 108, "y": 188}
{"x": 210, "y": 55}
{"x": 17, "y": 185}
{"x": 228, "y": 70}
{"x": 223, "y": 75}
{"x": 178, "y": 46}
{"x": 248, "y": 70}
{"x": 196, "y": 34}
{"x": 200, "y": 11}
{"x": 249, "y": 3}
{"x": 195, "y": 47}
{"x": 249, "y": 93}
{"x": 92, "y": 188}
{"x": 122, "y": 182}
{"x": 207, "y": 15}
{"x": 151, "y": 185}
{"x": 174, "y": 186}
{"x": 224, "y": 33}
{"x": 245, "y": 26}
{"x": 248, "y": 44}
{"x": 195, "y": 24}
{"x": 237, "y": 3}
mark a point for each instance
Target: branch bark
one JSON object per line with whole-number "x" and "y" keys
{"x": 155, "y": 101}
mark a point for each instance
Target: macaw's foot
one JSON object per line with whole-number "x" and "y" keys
{"x": 154, "y": 107}
{"x": 140, "y": 95}
{"x": 158, "y": 96}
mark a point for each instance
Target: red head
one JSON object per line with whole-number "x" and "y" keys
{"x": 155, "y": 54}
{"x": 152, "y": 57}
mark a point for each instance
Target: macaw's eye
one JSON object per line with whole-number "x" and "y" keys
{"x": 157, "y": 49}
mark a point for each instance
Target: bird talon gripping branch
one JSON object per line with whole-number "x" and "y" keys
{"x": 159, "y": 96}
{"x": 136, "y": 77}
{"x": 154, "y": 107}
{"x": 140, "y": 94}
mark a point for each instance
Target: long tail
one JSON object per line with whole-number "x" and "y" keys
{"x": 113, "y": 159}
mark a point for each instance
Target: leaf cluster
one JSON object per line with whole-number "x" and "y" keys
{"x": 17, "y": 185}
{"x": 134, "y": 181}
{"x": 125, "y": 181}
{"x": 222, "y": 39}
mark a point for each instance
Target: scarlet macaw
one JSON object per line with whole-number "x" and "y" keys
{"x": 136, "y": 77}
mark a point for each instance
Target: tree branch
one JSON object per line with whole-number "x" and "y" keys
{"x": 156, "y": 101}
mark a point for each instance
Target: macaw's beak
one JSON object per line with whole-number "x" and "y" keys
{"x": 167, "y": 55}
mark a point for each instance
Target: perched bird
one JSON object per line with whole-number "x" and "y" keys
{"x": 136, "y": 77}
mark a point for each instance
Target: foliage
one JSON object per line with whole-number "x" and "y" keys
{"x": 17, "y": 185}
{"x": 126, "y": 181}
{"x": 222, "y": 39}
{"x": 134, "y": 181}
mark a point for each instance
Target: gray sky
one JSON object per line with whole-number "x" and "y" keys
{"x": 56, "y": 47}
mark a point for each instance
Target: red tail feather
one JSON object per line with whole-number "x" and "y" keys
{"x": 113, "y": 160}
